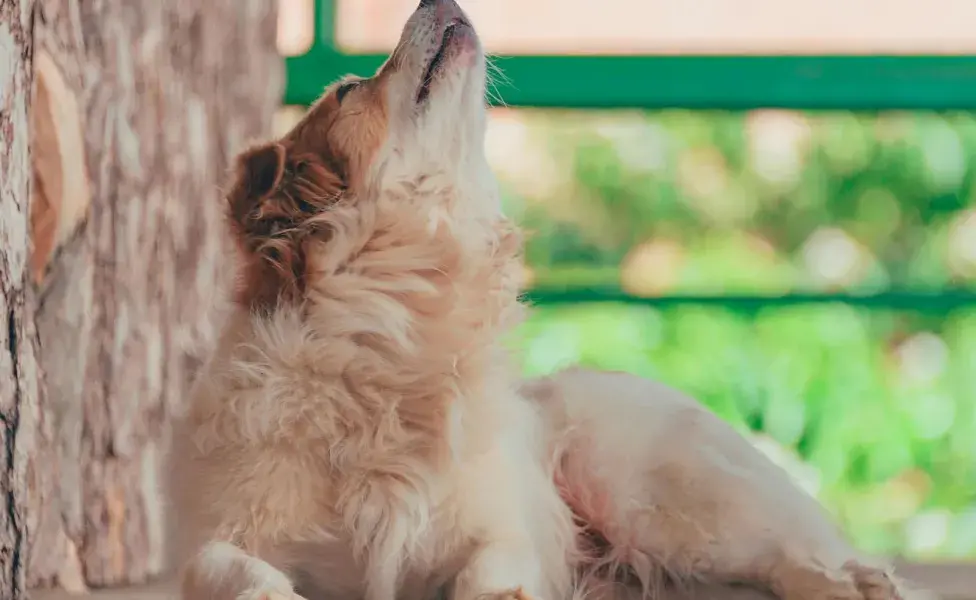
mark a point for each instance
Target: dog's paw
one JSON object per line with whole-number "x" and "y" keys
{"x": 512, "y": 594}
{"x": 519, "y": 594}
{"x": 873, "y": 583}
{"x": 853, "y": 581}
{"x": 269, "y": 595}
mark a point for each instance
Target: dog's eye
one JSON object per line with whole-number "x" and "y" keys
{"x": 344, "y": 89}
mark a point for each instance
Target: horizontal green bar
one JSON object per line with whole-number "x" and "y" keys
{"x": 697, "y": 82}
{"x": 925, "y": 302}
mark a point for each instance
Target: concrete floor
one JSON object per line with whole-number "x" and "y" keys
{"x": 948, "y": 581}
{"x": 168, "y": 592}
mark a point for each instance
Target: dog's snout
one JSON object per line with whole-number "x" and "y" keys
{"x": 443, "y": 4}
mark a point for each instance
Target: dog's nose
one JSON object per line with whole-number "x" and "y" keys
{"x": 443, "y": 9}
{"x": 426, "y": 3}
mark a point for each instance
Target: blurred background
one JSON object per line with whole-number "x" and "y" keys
{"x": 810, "y": 275}
{"x": 870, "y": 403}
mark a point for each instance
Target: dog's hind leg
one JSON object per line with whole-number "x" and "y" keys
{"x": 805, "y": 579}
{"x": 676, "y": 491}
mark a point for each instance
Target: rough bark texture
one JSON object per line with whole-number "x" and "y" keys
{"x": 18, "y": 365}
{"x": 149, "y": 101}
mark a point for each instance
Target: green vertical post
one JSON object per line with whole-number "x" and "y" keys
{"x": 325, "y": 23}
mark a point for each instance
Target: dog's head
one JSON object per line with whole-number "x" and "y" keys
{"x": 419, "y": 121}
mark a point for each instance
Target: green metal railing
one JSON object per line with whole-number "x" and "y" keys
{"x": 696, "y": 82}
{"x": 729, "y": 82}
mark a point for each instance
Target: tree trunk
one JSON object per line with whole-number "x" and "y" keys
{"x": 18, "y": 364}
{"x": 139, "y": 105}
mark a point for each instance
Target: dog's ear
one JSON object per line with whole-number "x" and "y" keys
{"x": 255, "y": 202}
{"x": 259, "y": 173}
{"x": 275, "y": 192}
{"x": 262, "y": 169}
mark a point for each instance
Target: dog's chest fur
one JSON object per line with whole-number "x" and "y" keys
{"x": 330, "y": 570}
{"x": 347, "y": 484}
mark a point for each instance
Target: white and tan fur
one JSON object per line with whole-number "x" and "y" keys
{"x": 676, "y": 494}
{"x": 359, "y": 431}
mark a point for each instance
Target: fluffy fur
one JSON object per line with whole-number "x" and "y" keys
{"x": 359, "y": 432}
{"x": 674, "y": 494}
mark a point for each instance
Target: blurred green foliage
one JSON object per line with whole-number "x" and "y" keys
{"x": 871, "y": 410}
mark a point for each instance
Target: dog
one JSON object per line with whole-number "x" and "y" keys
{"x": 360, "y": 429}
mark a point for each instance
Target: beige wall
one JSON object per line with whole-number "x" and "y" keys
{"x": 687, "y": 26}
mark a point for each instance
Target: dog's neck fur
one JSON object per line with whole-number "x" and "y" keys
{"x": 405, "y": 301}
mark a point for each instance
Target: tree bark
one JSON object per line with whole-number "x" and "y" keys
{"x": 139, "y": 106}
{"x": 18, "y": 364}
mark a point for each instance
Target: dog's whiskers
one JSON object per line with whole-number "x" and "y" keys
{"x": 494, "y": 75}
